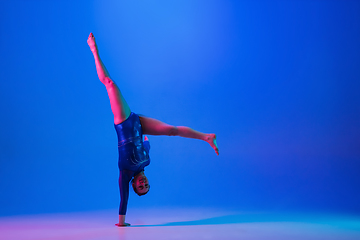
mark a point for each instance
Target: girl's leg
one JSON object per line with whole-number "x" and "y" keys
{"x": 153, "y": 126}
{"x": 119, "y": 107}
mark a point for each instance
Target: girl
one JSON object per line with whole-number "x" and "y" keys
{"x": 130, "y": 127}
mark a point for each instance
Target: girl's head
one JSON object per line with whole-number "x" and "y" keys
{"x": 140, "y": 184}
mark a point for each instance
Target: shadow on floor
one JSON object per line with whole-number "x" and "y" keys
{"x": 238, "y": 218}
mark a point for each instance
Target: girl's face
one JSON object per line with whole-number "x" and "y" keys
{"x": 141, "y": 183}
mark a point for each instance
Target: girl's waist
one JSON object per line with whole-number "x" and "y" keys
{"x": 135, "y": 140}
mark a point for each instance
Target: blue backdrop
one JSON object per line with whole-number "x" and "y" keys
{"x": 277, "y": 81}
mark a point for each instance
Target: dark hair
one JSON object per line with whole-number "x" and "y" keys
{"x": 135, "y": 190}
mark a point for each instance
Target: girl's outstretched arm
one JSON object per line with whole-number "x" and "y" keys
{"x": 153, "y": 126}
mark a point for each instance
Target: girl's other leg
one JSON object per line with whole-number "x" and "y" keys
{"x": 119, "y": 106}
{"x": 153, "y": 126}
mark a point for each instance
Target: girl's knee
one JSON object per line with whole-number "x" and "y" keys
{"x": 108, "y": 82}
{"x": 173, "y": 131}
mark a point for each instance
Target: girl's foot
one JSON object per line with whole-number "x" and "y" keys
{"x": 211, "y": 139}
{"x": 91, "y": 42}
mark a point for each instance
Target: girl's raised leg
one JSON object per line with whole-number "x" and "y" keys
{"x": 153, "y": 126}
{"x": 119, "y": 106}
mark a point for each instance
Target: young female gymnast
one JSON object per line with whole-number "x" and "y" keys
{"x": 133, "y": 150}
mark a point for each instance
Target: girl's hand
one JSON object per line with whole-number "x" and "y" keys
{"x": 122, "y": 225}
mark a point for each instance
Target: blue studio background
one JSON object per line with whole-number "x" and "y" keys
{"x": 277, "y": 81}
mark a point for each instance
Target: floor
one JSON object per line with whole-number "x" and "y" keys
{"x": 181, "y": 223}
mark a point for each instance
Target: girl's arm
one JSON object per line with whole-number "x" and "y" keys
{"x": 122, "y": 222}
